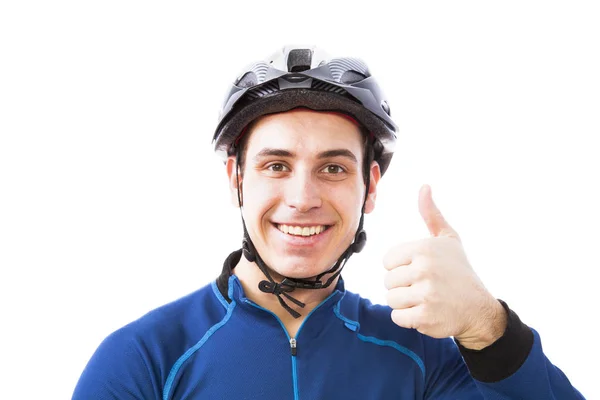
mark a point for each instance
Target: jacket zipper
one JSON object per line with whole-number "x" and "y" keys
{"x": 294, "y": 349}
{"x": 293, "y": 343}
{"x": 293, "y": 346}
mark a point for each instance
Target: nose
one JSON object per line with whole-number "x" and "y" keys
{"x": 302, "y": 192}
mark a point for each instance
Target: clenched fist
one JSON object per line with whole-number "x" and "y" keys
{"x": 433, "y": 289}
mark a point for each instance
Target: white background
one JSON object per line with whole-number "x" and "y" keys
{"x": 112, "y": 202}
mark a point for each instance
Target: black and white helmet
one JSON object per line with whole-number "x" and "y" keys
{"x": 305, "y": 77}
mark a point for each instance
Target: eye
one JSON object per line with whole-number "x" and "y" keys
{"x": 333, "y": 169}
{"x": 277, "y": 167}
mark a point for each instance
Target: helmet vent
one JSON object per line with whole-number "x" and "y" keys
{"x": 350, "y": 77}
{"x": 254, "y": 75}
{"x": 327, "y": 87}
{"x": 386, "y": 107}
{"x": 340, "y": 66}
{"x": 263, "y": 90}
{"x": 299, "y": 60}
{"x": 248, "y": 80}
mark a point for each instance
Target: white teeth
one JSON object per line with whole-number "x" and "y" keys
{"x": 301, "y": 231}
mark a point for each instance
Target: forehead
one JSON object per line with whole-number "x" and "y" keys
{"x": 306, "y": 132}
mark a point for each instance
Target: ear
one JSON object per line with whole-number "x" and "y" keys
{"x": 231, "y": 166}
{"x": 372, "y": 194}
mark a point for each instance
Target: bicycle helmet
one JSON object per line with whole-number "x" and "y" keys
{"x": 304, "y": 77}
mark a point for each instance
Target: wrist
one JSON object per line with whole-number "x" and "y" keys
{"x": 490, "y": 327}
{"x": 503, "y": 357}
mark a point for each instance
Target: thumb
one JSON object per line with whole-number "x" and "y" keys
{"x": 432, "y": 216}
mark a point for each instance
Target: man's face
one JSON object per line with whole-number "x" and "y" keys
{"x": 303, "y": 189}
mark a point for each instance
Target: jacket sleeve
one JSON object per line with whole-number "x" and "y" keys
{"x": 513, "y": 367}
{"x": 118, "y": 370}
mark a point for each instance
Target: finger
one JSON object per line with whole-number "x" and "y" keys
{"x": 401, "y": 254}
{"x": 435, "y": 221}
{"x": 407, "y": 318}
{"x": 403, "y": 297}
{"x": 402, "y": 277}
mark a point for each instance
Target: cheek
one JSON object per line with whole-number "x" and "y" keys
{"x": 259, "y": 197}
{"x": 347, "y": 202}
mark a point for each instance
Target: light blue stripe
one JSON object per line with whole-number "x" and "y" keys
{"x": 379, "y": 342}
{"x": 295, "y": 377}
{"x": 253, "y": 304}
{"x": 396, "y": 346}
{"x": 337, "y": 312}
{"x": 193, "y": 349}
{"x": 230, "y": 287}
{"x": 219, "y": 295}
{"x": 313, "y": 310}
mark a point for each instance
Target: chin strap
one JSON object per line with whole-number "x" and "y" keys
{"x": 288, "y": 285}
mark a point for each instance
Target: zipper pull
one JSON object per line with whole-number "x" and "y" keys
{"x": 293, "y": 346}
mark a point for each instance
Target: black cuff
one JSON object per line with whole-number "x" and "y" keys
{"x": 505, "y": 356}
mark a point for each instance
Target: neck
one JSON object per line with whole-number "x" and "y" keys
{"x": 250, "y": 275}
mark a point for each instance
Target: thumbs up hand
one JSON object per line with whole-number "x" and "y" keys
{"x": 432, "y": 287}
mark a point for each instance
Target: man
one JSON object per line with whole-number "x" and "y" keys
{"x": 306, "y": 141}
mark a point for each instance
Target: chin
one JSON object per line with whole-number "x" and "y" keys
{"x": 301, "y": 269}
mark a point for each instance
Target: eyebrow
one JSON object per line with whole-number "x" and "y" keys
{"x": 270, "y": 152}
{"x": 338, "y": 153}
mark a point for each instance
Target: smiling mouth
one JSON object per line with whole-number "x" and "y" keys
{"x": 302, "y": 230}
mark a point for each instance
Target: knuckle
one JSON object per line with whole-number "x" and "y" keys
{"x": 421, "y": 273}
{"x": 428, "y": 294}
{"x": 418, "y": 321}
{"x": 396, "y": 317}
{"x": 428, "y": 270}
{"x": 388, "y": 260}
{"x": 422, "y": 318}
{"x": 390, "y": 298}
{"x": 388, "y": 280}
{"x": 385, "y": 259}
{"x": 427, "y": 246}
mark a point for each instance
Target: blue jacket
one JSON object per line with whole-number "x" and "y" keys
{"x": 210, "y": 346}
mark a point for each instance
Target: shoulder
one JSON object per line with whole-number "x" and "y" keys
{"x": 189, "y": 314}
{"x": 375, "y": 319}
{"x": 168, "y": 331}
{"x": 374, "y": 324}
{"x": 140, "y": 355}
